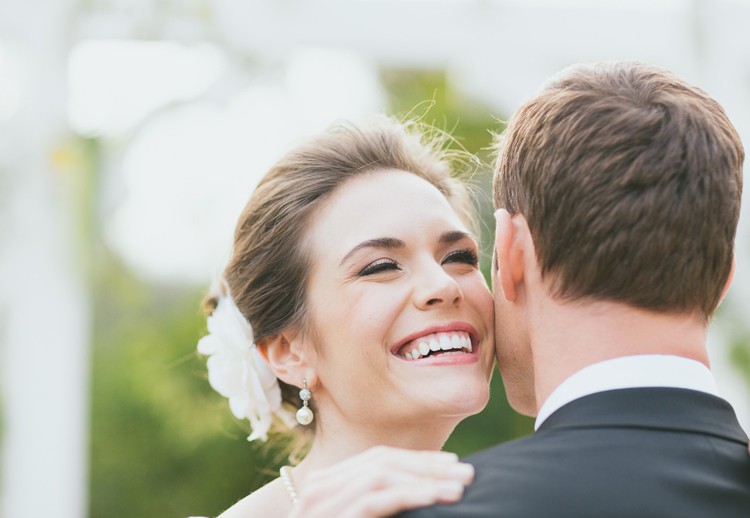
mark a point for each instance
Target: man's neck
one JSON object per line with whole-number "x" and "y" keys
{"x": 578, "y": 334}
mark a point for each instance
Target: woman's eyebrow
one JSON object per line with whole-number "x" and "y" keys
{"x": 454, "y": 235}
{"x": 380, "y": 242}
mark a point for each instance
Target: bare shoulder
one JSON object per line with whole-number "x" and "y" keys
{"x": 270, "y": 500}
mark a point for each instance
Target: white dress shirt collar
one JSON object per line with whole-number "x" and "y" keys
{"x": 629, "y": 372}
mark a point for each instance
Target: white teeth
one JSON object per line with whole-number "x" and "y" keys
{"x": 456, "y": 343}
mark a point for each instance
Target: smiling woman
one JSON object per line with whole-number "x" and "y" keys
{"x": 355, "y": 287}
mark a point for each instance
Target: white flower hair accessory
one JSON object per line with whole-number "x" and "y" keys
{"x": 238, "y": 371}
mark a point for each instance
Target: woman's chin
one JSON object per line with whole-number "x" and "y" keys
{"x": 470, "y": 400}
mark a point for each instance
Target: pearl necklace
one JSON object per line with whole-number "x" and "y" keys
{"x": 286, "y": 478}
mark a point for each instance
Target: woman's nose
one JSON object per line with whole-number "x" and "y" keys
{"x": 435, "y": 288}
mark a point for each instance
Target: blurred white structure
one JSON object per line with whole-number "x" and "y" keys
{"x": 43, "y": 299}
{"x": 310, "y": 59}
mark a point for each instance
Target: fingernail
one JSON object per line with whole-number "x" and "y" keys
{"x": 450, "y": 489}
{"x": 447, "y": 455}
{"x": 462, "y": 471}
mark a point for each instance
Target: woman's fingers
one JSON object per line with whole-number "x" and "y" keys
{"x": 384, "y": 460}
{"x": 394, "y": 499}
{"x": 383, "y": 481}
{"x": 373, "y": 496}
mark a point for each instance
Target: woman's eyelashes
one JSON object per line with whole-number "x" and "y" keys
{"x": 465, "y": 256}
{"x": 381, "y": 265}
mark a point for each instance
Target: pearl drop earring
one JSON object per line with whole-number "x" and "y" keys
{"x": 305, "y": 415}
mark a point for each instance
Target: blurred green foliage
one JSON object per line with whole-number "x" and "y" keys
{"x": 730, "y": 317}
{"x": 740, "y": 356}
{"x": 163, "y": 443}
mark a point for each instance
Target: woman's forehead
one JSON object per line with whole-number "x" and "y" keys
{"x": 386, "y": 203}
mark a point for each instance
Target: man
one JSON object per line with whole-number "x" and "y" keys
{"x": 618, "y": 194}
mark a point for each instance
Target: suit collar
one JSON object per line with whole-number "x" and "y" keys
{"x": 655, "y": 408}
{"x": 645, "y": 370}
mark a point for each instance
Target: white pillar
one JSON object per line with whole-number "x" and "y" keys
{"x": 44, "y": 308}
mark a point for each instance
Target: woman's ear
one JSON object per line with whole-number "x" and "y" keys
{"x": 288, "y": 358}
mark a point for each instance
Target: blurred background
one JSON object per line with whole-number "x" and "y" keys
{"x": 133, "y": 131}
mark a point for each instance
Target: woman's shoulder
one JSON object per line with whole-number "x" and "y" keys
{"x": 270, "y": 500}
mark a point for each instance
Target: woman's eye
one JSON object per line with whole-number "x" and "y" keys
{"x": 381, "y": 265}
{"x": 467, "y": 256}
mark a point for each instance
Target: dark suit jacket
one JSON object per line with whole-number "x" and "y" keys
{"x": 635, "y": 452}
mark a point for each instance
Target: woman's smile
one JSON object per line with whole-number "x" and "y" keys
{"x": 444, "y": 344}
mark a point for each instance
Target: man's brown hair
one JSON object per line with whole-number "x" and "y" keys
{"x": 630, "y": 180}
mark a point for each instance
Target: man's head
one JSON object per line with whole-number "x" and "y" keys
{"x": 628, "y": 180}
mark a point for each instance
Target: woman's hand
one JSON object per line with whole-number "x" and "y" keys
{"x": 383, "y": 481}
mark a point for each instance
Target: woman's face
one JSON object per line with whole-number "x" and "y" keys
{"x": 401, "y": 317}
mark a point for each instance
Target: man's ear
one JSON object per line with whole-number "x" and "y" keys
{"x": 288, "y": 358}
{"x": 509, "y": 252}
